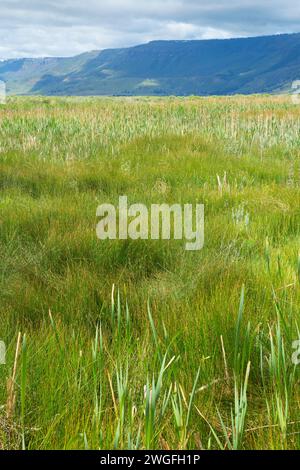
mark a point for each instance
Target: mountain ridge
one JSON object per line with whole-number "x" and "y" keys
{"x": 263, "y": 64}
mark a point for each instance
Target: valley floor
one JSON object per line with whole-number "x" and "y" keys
{"x": 141, "y": 344}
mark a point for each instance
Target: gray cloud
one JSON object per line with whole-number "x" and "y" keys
{"x": 50, "y": 27}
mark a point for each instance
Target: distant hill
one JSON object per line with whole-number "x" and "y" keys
{"x": 211, "y": 67}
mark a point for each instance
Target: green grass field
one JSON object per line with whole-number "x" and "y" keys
{"x": 141, "y": 344}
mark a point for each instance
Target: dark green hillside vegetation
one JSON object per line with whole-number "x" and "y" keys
{"x": 210, "y": 67}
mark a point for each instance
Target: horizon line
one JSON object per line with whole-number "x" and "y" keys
{"x": 146, "y": 43}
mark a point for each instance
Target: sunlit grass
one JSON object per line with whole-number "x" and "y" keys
{"x": 140, "y": 344}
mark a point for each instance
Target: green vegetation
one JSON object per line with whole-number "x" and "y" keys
{"x": 265, "y": 64}
{"x": 140, "y": 344}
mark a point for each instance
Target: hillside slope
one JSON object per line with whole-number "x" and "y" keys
{"x": 220, "y": 67}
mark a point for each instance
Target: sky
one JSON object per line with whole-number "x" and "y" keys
{"x": 31, "y": 28}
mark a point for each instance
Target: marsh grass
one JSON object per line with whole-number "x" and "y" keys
{"x": 140, "y": 344}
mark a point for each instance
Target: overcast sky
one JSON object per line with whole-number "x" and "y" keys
{"x": 33, "y": 28}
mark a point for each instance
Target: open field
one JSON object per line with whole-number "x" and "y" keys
{"x": 141, "y": 344}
